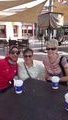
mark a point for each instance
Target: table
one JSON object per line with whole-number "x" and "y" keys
{"x": 38, "y": 102}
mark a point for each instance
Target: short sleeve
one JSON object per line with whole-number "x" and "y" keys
{"x": 65, "y": 62}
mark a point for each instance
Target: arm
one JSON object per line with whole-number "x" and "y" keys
{"x": 64, "y": 63}
{"x": 47, "y": 77}
{"x": 65, "y": 78}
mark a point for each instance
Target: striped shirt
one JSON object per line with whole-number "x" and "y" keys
{"x": 54, "y": 68}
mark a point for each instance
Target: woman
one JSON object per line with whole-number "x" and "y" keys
{"x": 30, "y": 68}
{"x": 52, "y": 61}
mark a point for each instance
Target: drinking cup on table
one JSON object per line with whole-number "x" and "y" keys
{"x": 18, "y": 84}
{"x": 55, "y": 82}
{"x": 66, "y": 101}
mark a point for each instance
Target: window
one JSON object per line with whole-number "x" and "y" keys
{"x": 2, "y": 31}
{"x": 15, "y": 27}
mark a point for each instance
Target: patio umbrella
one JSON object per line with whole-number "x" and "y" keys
{"x": 9, "y": 4}
{"x": 62, "y": 8}
{"x": 28, "y": 16}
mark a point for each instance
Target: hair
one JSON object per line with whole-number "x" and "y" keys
{"x": 53, "y": 42}
{"x": 27, "y": 50}
{"x": 12, "y": 47}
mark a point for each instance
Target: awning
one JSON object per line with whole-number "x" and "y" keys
{"x": 9, "y": 4}
{"x": 28, "y": 16}
{"x": 51, "y": 20}
{"x": 62, "y": 8}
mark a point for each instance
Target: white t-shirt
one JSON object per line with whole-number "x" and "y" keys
{"x": 36, "y": 71}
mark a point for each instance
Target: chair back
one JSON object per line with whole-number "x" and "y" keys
{"x": 12, "y": 42}
{"x": 25, "y": 42}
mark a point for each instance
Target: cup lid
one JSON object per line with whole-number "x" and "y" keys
{"x": 18, "y": 82}
{"x": 66, "y": 95}
{"x": 55, "y": 79}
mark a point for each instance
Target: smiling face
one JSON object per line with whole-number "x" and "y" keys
{"x": 28, "y": 57}
{"x": 51, "y": 50}
{"x": 52, "y": 47}
{"x": 14, "y": 54}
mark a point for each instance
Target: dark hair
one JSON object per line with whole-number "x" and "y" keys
{"x": 12, "y": 47}
{"x": 27, "y": 50}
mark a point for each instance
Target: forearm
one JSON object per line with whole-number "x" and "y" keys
{"x": 48, "y": 78}
{"x": 64, "y": 78}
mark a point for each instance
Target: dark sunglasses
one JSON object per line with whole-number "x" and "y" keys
{"x": 50, "y": 48}
{"x": 15, "y": 52}
{"x": 27, "y": 56}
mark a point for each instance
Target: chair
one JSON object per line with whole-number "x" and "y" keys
{"x": 3, "y": 43}
{"x": 12, "y": 42}
{"x": 24, "y": 43}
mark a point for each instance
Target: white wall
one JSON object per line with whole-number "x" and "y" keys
{"x": 9, "y": 29}
{"x": 19, "y": 29}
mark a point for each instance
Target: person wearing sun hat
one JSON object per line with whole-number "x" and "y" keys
{"x": 8, "y": 68}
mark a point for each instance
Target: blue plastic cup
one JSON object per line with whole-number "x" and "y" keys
{"x": 66, "y": 101}
{"x": 18, "y": 86}
{"x": 55, "y": 82}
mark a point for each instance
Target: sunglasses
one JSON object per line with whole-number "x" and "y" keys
{"x": 50, "y": 48}
{"x": 27, "y": 56}
{"x": 15, "y": 52}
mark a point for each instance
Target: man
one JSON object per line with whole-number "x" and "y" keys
{"x": 30, "y": 68}
{"x": 8, "y": 68}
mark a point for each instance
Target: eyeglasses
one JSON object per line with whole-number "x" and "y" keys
{"x": 28, "y": 56}
{"x": 50, "y": 48}
{"x": 15, "y": 52}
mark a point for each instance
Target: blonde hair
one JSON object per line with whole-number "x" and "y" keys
{"x": 52, "y": 42}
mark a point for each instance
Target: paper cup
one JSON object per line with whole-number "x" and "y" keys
{"x": 18, "y": 84}
{"x": 55, "y": 82}
{"x": 66, "y": 101}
